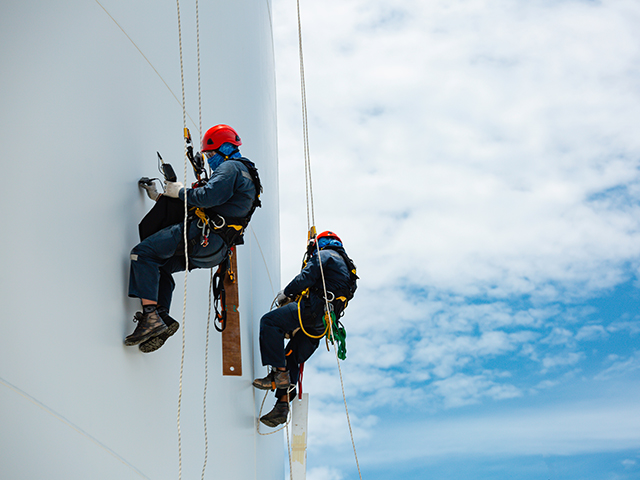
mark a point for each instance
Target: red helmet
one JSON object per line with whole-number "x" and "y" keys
{"x": 216, "y": 136}
{"x": 328, "y": 234}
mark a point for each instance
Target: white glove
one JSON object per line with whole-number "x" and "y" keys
{"x": 150, "y": 188}
{"x": 172, "y": 189}
{"x": 282, "y": 299}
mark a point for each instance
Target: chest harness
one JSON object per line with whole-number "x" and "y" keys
{"x": 230, "y": 229}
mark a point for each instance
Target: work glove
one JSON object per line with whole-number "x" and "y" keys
{"x": 150, "y": 187}
{"x": 282, "y": 299}
{"x": 172, "y": 189}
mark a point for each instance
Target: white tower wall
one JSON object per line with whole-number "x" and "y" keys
{"x": 83, "y": 114}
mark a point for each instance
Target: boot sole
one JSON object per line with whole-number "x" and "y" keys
{"x": 271, "y": 386}
{"x": 154, "y": 343}
{"x": 144, "y": 338}
{"x": 262, "y": 386}
{"x": 273, "y": 422}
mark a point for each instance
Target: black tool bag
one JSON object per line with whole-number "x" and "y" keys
{"x": 167, "y": 211}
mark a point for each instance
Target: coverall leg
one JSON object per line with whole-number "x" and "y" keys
{"x": 273, "y": 327}
{"x": 298, "y": 350}
{"x": 155, "y": 258}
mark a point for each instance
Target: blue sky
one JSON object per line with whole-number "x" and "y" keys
{"x": 480, "y": 159}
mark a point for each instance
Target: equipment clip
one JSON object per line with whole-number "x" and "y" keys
{"x": 222, "y": 223}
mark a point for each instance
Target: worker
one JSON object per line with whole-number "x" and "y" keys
{"x": 285, "y": 321}
{"x": 230, "y": 194}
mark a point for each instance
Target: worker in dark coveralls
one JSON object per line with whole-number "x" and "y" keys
{"x": 284, "y": 322}
{"x": 229, "y": 192}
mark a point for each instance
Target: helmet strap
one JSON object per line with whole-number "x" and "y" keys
{"x": 226, "y": 157}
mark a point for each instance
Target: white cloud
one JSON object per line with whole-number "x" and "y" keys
{"x": 558, "y": 336}
{"x": 467, "y": 142}
{"x": 446, "y": 353}
{"x": 591, "y": 332}
{"x": 620, "y": 367}
{"x": 460, "y": 390}
{"x": 632, "y": 327}
{"x": 481, "y": 162}
{"x": 562, "y": 360}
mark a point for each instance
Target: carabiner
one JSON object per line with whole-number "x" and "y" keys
{"x": 224, "y": 222}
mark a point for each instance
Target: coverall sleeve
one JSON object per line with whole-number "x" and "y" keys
{"x": 305, "y": 279}
{"x": 218, "y": 190}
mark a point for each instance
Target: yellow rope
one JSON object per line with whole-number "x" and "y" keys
{"x": 328, "y": 322}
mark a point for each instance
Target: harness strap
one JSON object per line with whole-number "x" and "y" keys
{"x": 219, "y": 294}
{"x": 232, "y": 229}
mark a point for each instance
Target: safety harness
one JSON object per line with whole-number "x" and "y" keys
{"x": 341, "y": 298}
{"x": 230, "y": 229}
{"x": 337, "y": 302}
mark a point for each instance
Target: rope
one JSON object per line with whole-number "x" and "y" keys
{"x": 344, "y": 397}
{"x": 289, "y": 452}
{"x": 199, "y": 88}
{"x": 305, "y": 130}
{"x": 186, "y": 251}
{"x": 327, "y": 328}
{"x": 260, "y": 415}
{"x": 311, "y": 218}
{"x": 206, "y": 380}
{"x": 206, "y": 350}
{"x": 286, "y": 425}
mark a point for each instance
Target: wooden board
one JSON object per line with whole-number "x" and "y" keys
{"x": 299, "y": 415}
{"x": 231, "y": 347}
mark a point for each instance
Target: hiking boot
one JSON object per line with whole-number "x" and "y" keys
{"x": 157, "y": 341}
{"x": 149, "y": 325}
{"x": 277, "y": 416}
{"x": 275, "y": 379}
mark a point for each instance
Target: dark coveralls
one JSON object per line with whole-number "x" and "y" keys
{"x": 232, "y": 192}
{"x": 276, "y": 323}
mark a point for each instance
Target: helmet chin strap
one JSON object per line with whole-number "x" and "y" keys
{"x": 226, "y": 157}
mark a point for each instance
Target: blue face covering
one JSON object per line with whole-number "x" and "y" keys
{"x": 325, "y": 241}
{"x": 225, "y": 149}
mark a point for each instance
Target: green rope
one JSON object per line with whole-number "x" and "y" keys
{"x": 339, "y": 334}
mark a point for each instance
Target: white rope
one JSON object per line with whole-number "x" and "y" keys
{"x": 186, "y": 252}
{"x": 206, "y": 380}
{"x": 311, "y": 220}
{"x": 285, "y": 426}
{"x": 344, "y": 397}
{"x": 305, "y": 130}
{"x": 199, "y": 88}
{"x": 289, "y": 452}
{"x": 260, "y": 415}
{"x": 206, "y": 351}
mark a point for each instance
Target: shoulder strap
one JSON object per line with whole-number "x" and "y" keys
{"x": 233, "y": 229}
{"x": 350, "y": 265}
{"x": 255, "y": 178}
